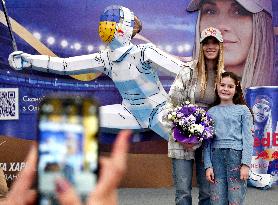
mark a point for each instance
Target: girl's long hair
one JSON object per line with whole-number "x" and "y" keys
{"x": 238, "y": 97}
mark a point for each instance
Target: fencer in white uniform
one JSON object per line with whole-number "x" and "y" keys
{"x": 133, "y": 69}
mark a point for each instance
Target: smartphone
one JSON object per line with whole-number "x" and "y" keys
{"x": 67, "y": 145}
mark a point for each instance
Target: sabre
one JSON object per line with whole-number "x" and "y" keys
{"x": 9, "y": 25}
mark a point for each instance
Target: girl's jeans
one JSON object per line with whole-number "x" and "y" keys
{"x": 182, "y": 173}
{"x": 228, "y": 187}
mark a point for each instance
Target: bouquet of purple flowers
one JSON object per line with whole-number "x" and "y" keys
{"x": 191, "y": 124}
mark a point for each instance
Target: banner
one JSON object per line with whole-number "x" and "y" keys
{"x": 264, "y": 104}
{"x": 64, "y": 29}
{"x": 70, "y": 28}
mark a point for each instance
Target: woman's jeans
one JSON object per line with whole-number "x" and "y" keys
{"x": 182, "y": 173}
{"x": 228, "y": 187}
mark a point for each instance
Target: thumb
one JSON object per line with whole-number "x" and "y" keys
{"x": 65, "y": 193}
{"x": 241, "y": 174}
{"x": 212, "y": 176}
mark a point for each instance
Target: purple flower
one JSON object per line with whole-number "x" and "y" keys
{"x": 179, "y": 136}
{"x": 191, "y": 124}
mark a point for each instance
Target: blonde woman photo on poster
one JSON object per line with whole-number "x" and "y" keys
{"x": 247, "y": 29}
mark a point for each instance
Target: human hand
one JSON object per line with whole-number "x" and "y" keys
{"x": 105, "y": 193}
{"x": 244, "y": 172}
{"x": 111, "y": 173}
{"x": 190, "y": 146}
{"x": 210, "y": 175}
{"x": 19, "y": 60}
{"x": 187, "y": 146}
{"x": 21, "y": 192}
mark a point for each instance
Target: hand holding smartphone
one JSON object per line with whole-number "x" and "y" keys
{"x": 67, "y": 145}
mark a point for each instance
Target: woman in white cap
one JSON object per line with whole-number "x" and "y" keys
{"x": 246, "y": 26}
{"x": 196, "y": 85}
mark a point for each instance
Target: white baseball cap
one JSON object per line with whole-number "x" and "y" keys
{"x": 253, "y": 6}
{"x": 213, "y": 32}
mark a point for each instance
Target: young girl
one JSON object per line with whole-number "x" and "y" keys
{"x": 227, "y": 158}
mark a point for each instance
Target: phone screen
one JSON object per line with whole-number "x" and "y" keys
{"x": 67, "y": 146}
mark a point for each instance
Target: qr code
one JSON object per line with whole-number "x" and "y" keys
{"x": 8, "y": 103}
